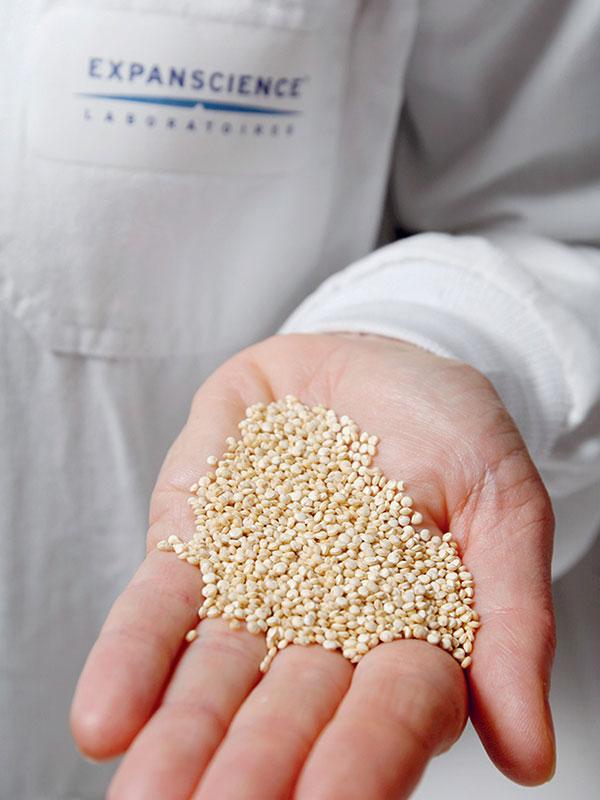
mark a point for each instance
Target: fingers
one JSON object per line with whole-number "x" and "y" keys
{"x": 407, "y": 702}
{"x": 212, "y": 679}
{"x": 274, "y": 730}
{"x": 508, "y": 530}
{"x": 128, "y": 666}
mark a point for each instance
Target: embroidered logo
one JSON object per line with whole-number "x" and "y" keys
{"x": 222, "y": 93}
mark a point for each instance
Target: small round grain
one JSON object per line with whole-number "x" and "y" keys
{"x": 300, "y": 539}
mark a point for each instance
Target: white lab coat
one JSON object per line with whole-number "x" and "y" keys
{"x": 176, "y": 176}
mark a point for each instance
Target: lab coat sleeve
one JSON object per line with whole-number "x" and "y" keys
{"x": 521, "y": 309}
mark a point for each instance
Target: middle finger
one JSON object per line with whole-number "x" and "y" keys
{"x": 274, "y": 730}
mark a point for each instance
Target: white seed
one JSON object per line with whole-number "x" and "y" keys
{"x": 298, "y": 538}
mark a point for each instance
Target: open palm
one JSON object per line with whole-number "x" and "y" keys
{"x": 201, "y": 721}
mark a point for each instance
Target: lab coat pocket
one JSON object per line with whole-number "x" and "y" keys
{"x": 170, "y": 172}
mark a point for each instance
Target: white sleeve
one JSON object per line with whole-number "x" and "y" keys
{"x": 521, "y": 309}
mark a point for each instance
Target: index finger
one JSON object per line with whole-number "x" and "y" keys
{"x": 128, "y": 666}
{"x": 133, "y": 658}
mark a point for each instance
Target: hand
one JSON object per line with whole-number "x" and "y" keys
{"x": 201, "y": 721}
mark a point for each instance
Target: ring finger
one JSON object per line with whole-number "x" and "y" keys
{"x": 407, "y": 702}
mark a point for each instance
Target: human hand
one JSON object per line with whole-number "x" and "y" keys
{"x": 202, "y": 722}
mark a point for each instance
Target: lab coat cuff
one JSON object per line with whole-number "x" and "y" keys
{"x": 458, "y": 298}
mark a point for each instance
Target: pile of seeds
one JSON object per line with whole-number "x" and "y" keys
{"x": 299, "y": 538}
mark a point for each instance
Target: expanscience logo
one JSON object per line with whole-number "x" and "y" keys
{"x": 192, "y": 99}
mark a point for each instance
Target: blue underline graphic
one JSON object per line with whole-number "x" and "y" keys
{"x": 183, "y": 102}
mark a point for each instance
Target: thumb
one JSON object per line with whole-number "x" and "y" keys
{"x": 506, "y": 528}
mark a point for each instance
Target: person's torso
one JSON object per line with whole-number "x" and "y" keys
{"x": 176, "y": 176}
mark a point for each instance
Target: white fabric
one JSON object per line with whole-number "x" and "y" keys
{"x": 108, "y": 261}
{"x": 122, "y": 288}
{"x": 498, "y": 148}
